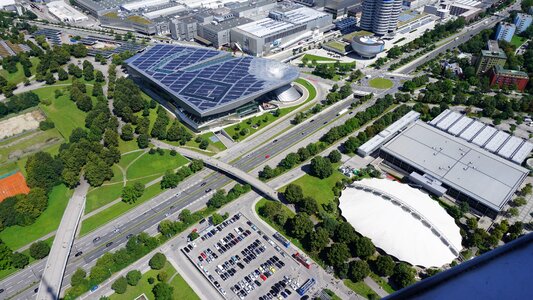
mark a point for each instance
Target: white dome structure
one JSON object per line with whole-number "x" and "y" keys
{"x": 403, "y": 221}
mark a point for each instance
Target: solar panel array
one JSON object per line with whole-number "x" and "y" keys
{"x": 207, "y": 78}
{"x": 51, "y": 35}
{"x": 123, "y": 46}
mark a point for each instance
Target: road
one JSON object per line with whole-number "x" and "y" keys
{"x": 465, "y": 35}
{"x": 57, "y": 259}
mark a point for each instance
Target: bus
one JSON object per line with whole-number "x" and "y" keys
{"x": 308, "y": 284}
{"x": 301, "y": 259}
{"x": 282, "y": 240}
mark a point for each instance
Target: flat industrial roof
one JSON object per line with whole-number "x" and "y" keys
{"x": 385, "y": 210}
{"x": 264, "y": 27}
{"x": 463, "y": 166}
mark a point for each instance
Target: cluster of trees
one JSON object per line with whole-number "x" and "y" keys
{"x": 438, "y": 33}
{"x": 336, "y": 243}
{"x": 17, "y": 103}
{"x": 23, "y": 209}
{"x": 410, "y": 58}
{"x": 485, "y": 241}
{"x": 170, "y": 228}
{"x": 161, "y": 290}
{"x": 176, "y": 132}
{"x": 220, "y": 198}
{"x": 111, "y": 262}
{"x": 291, "y": 160}
{"x": 171, "y": 179}
{"x": 415, "y": 83}
{"x": 354, "y": 142}
{"x": 328, "y": 70}
{"x": 10, "y": 259}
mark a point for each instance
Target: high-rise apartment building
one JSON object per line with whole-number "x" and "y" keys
{"x": 380, "y": 16}
{"x": 505, "y": 31}
{"x": 522, "y": 22}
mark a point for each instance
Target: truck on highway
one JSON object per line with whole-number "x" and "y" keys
{"x": 342, "y": 112}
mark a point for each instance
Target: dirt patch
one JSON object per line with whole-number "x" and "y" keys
{"x": 15, "y": 155}
{"x": 21, "y": 123}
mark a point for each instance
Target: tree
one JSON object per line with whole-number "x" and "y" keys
{"x": 364, "y": 248}
{"x": 62, "y": 74}
{"x": 196, "y": 165}
{"x": 163, "y": 291}
{"x": 49, "y": 78}
{"x": 359, "y": 270}
{"x": 43, "y": 171}
{"x": 344, "y": 233}
{"x": 78, "y": 278}
{"x": 120, "y": 285}
{"x": 99, "y": 76}
{"x": 384, "y": 265}
{"x": 513, "y": 211}
{"x": 170, "y": 180}
{"x": 127, "y": 132}
{"x": 157, "y": 262}
{"x": 39, "y": 249}
{"x": 97, "y": 171}
{"x": 318, "y": 240}
{"x": 321, "y": 167}
{"x": 20, "y": 260}
{"x": 130, "y": 194}
{"x": 519, "y": 201}
{"x": 203, "y": 144}
{"x": 218, "y": 199}
{"x": 403, "y": 275}
{"x": 308, "y": 205}
{"x": 85, "y": 103}
{"x": 300, "y": 226}
{"x": 337, "y": 254}
{"x": 293, "y": 193}
{"x": 143, "y": 140}
{"x": 334, "y": 156}
{"x": 217, "y": 219}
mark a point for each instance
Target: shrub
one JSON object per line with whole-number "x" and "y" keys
{"x": 120, "y": 285}
{"x": 157, "y": 262}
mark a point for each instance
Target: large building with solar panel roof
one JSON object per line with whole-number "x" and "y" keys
{"x": 208, "y": 88}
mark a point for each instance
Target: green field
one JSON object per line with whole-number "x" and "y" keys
{"x": 311, "y": 57}
{"x": 63, "y": 112}
{"x": 380, "y": 83}
{"x": 232, "y": 130}
{"x": 28, "y": 143}
{"x": 18, "y": 236}
{"x": 320, "y": 189}
{"x": 182, "y": 291}
{"x": 517, "y": 41}
{"x": 382, "y": 282}
{"x": 18, "y": 76}
{"x": 143, "y": 167}
{"x": 152, "y": 164}
{"x": 360, "y": 288}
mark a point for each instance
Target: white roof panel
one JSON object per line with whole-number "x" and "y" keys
{"x": 472, "y": 130}
{"x": 386, "y": 222}
{"x": 460, "y": 125}
{"x": 510, "y": 147}
{"x": 484, "y": 135}
{"x": 497, "y": 141}
{"x": 522, "y": 152}
{"x": 448, "y": 121}
{"x": 441, "y": 116}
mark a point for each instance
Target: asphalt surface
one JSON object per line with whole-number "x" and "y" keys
{"x": 19, "y": 284}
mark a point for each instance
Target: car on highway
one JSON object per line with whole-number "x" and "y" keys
{"x": 109, "y": 244}
{"x": 267, "y": 156}
{"x": 78, "y": 253}
{"x": 1, "y": 291}
{"x": 208, "y": 190}
{"x": 203, "y": 183}
{"x": 96, "y": 239}
{"x": 129, "y": 236}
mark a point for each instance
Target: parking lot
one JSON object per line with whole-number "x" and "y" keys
{"x": 241, "y": 262}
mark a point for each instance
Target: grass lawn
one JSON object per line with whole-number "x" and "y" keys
{"x": 182, "y": 291}
{"x": 312, "y": 57}
{"x": 25, "y": 145}
{"x": 336, "y": 45}
{"x": 381, "y": 83}
{"x": 18, "y": 76}
{"x": 233, "y": 131}
{"x": 320, "y": 189}
{"x": 382, "y": 282}
{"x": 62, "y": 111}
{"x": 126, "y": 159}
{"x": 360, "y": 288}
{"x": 18, "y": 236}
{"x": 517, "y": 41}
{"x": 116, "y": 210}
{"x": 213, "y": 147}
{"x": 150, "y": 164}
{"x": 127, "y": 146}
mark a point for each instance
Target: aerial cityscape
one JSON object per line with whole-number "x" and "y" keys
{"x": 266, "y": 149}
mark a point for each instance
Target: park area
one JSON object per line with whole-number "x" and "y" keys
{"x": 381, "y": 83}
{"x": 181, "y": 290}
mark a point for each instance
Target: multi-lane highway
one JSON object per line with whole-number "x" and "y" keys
{"x": 111, "y": 238}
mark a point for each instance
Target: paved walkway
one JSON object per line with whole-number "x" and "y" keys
{"x": 50, "y": 285}
{"x": 375, "y": 287}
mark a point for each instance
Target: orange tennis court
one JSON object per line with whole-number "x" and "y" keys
{"x": 12, "y": 185}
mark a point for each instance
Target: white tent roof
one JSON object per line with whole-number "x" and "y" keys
{"x": 393, "y": 226}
